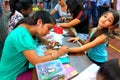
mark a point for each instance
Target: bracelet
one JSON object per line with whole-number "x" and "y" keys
{"x": 52, "y": 56}
{"x": 68, "y": 50}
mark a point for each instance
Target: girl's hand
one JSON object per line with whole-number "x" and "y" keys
{"x": 63, "y": 19}
{"x": 63, "y": 50}
{"x": 52, "y": 44}
{"x": 73, "y": 39}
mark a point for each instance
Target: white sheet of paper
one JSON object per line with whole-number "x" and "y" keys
{"x": 88, "y": 74}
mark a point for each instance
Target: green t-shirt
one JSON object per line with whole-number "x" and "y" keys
{"x": 13, "y": 62}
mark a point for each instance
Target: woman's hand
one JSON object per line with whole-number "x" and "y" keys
{"x": 73, "y": 39}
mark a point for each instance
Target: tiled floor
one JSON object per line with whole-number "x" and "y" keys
{"x": 114, "y": 46}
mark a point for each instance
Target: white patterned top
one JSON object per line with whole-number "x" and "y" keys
{"x": 17, "y": 16}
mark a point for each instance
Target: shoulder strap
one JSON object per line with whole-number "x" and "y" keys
{"x": 80, "y": 14}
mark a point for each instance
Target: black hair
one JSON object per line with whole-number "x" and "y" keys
{"x": 105, "y": 30}
{"x": 110, "y": 70}
{"x": 32, "y": 20}
{"x": 20, "y": 4}
{"x": 74, "y": 6}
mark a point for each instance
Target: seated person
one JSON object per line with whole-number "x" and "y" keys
{"x": 61, "y": 7}
{"x": 20, "y": 44}
{"x": 110, "y": 70}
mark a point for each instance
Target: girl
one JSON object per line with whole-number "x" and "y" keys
{"x": 9, "y": 20}
{"x": 20, "y": 44}
{"x": 109, "y": 71}
{"x": 98, "y": 40}
{"x": 61, "y": 7}
{"x": 18, "y": 11}
{"x": 80, "y": 18}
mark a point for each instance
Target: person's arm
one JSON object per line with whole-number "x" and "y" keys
{"x": 99, "y": 40}
{"x": 70, "y": 24}
{"x": 33, "y": 58}
{"x": 53, "y": 11}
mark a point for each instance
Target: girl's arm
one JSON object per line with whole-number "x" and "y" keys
{"x": 53, "y": 11}
{"x": 70, "y": 24}
{"x": 33, "y": 58}
{"x": 99, "y": 40}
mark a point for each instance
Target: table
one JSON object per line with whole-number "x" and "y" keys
{"x": 78, "y": 60}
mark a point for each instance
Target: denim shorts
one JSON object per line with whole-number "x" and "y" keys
{"x": 83, "y": 36}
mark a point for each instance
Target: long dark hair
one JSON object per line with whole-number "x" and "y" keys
{"x": 105, "y": 30}
{"x": 110, "y": 70}
{"x": 20, "y": 4}
{"x": 32, "y": 20}
{"x": 74, "y": 6}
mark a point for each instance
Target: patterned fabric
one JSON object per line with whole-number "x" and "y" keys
{"x": 15, "y": 18}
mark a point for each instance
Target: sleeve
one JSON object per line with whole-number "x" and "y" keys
{"x": 92, "y": 32}
{"x": 82, "y": 16}
{"x": 24, "y": 41}
{"x": 56, "y": 7}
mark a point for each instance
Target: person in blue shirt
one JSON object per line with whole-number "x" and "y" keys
{"x": 98, "y": 40}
